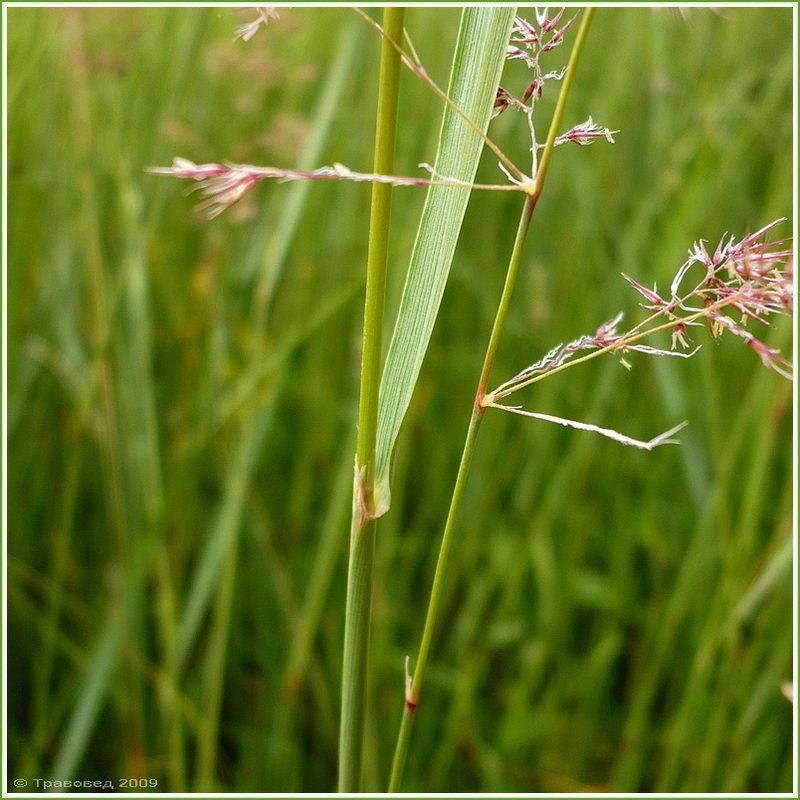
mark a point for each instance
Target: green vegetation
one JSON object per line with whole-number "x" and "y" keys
{"x": 183, "y": 401}
{"x": 364, "y": 515}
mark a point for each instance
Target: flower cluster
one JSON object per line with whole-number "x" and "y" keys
{"x": 265, "y": 14}
{"x": 751, "y": 278}
{"x": 223, "y": 185}
{"x": 529, "y": 41}
{"x": 743, "y": 281}
{"x": 538, "y": 38}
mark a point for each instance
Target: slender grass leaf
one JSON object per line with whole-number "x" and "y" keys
{"x": 477, "y": 65}
{"x": 776, "y": 569}
{"x": 95, "y": 681}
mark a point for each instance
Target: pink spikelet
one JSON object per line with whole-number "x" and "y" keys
{"x": 221, "y": 185}
{"x": 265, "y": 14}
{"x": 585, "y": 133}
{"x": 752, "y": 278}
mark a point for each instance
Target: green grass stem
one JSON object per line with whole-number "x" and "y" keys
{"x": 362, "y": 530}
{"x": 432, "y": 615}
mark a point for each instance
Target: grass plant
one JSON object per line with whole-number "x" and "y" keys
{"x": 365, "y": 513}
{"x": 183, "y": 398}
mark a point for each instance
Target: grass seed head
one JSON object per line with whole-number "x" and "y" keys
{"x": 265, "y": 14}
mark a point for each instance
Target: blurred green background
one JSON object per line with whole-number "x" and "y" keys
{"x": 182, "y": 400}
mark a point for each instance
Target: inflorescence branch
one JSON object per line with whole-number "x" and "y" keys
{"x": 751, "y": 279}
{"x": 529, "y": 41}
{"x": 224, "y": 184}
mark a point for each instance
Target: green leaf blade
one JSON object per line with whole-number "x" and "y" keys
{"x": 477, "y": 65}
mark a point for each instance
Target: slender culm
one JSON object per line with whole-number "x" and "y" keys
{"x": 431, "y": 619}
{"x": 362, "y": 529}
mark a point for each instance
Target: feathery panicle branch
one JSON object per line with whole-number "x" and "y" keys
{"x": 752, "y": 277}
{"x": 222, "y": 185}
{"x": 265, "y": 14}
{"x": 663, "y": 438}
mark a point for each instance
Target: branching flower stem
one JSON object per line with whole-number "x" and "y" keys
{"x": 362, "y": 530}
{"x": 635, "y": 335}
{"x": 414, "y": 685}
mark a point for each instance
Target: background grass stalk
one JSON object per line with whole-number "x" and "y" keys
{"x": 431, "y": 618}
{"x": 362, "y": 532}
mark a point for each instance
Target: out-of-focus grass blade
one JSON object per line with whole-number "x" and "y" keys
{"x": 775, "y": 570}
{"x": 94, "y": 683}
{"x": 271, "y": 251}
{"x": 225, "y": 527}
{"x": 477, "y": 65}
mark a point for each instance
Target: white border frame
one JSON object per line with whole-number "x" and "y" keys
{"x": 368, "y": 4}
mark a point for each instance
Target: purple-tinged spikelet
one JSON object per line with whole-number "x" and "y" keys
{"x": 751, "y": 277}
{"x": 585, "y": 133}
{"x": 265, "y": 14}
